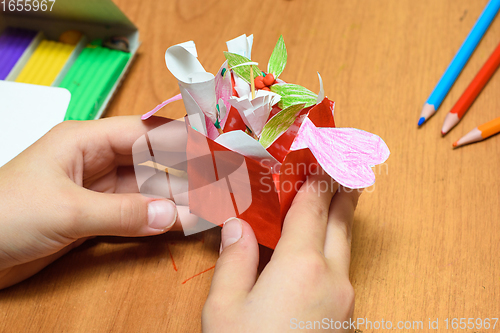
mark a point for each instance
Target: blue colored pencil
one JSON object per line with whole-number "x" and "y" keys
{"x": 457, "y": 64}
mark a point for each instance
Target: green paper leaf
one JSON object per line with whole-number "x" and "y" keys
{"x": 292, "y": 94}
{"x": 277, "y": 61}
{"x": 278, "y": 124}
{"x": 234, "y": 59}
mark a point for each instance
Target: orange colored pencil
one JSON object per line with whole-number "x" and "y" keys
{"x": 480, "y": 133}
{"x": 472, "y": 91}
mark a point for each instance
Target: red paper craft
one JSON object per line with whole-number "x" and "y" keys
{"x": 214, "y": 195}
{"x": 289, "y": 132}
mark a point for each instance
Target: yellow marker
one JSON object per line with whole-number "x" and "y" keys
{"x": 45, "y": 63}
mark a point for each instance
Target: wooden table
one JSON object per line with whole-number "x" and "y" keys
{"x": 426, "y": 237}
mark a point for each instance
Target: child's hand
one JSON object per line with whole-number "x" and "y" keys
{"x": 307, "y": 278}
{"x": 76, "y": 182}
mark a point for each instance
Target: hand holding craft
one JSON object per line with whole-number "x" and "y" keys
{"x": 76, "y": 182}
{"x": 307, "y": 279}
{"x": 277, "y": 131}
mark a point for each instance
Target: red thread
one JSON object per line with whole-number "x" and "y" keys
{"x": 172, "y": 257}
{"x": 206, "y": 270}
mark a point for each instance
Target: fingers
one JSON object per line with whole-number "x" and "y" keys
{"x": 118, "y": 137}
{"x": 158, "y": 183}
{"x": 168, "y": 186}
{"x": 165, "y": 143}
{"x": 126, "y": 181}
{"x": 338, "y": 234}
{"x": 305, "y": 224}
{"x": 123, "y": 132}
{"x": 185, "y": 220}
{"x": 236, "y": 270}
{"x": 119, "y": 180}
{"x": 94, "y": 214}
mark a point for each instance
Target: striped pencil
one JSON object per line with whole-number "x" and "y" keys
{"x": 457, "y": 64}
{"x": 472, "y": 91}
{"x": 480, "y": 133}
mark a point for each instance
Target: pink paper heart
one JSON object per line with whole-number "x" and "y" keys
{"x": 346, "y": 154}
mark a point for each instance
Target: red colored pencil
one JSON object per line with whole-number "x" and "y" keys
{"x": 472, "y": 91}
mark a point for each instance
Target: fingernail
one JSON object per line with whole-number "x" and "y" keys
{"x": 161, "y": 214}
{"x": 231, "y": 232}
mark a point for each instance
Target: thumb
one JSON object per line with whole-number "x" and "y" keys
{"x": 236, "y": 270}
{"x": 120, "y": 215}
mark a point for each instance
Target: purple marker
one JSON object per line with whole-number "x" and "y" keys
{"x": 13, "y": 43}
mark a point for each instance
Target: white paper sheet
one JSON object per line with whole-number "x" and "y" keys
{"x": 28, "y": 112}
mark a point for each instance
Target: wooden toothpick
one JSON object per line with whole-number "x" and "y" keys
{"x": 252, "y": 82}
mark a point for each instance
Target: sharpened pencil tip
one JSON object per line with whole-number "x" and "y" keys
{"x": 455, "y": 144}
{"x": 443, "y": 133}
{"x": 421, "y": 121}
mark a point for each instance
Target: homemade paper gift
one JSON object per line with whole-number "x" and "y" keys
{"x": 253, "y": 138}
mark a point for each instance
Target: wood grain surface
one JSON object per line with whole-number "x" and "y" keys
{"x": 426, "y": 238}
